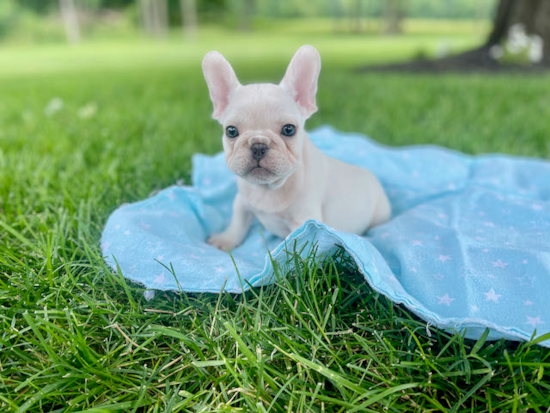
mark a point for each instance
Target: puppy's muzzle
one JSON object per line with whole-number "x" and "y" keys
{"x": 259, "y": 150}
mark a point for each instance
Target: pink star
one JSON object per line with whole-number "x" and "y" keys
{"x": 384, "y": 235}
{"x": 536, "y": 207}
{"x": 444, "y": 258}
{"x": 413, "y": 269}
{"x": 528, "y": 302}
{"x": 492, "y": 296}
{"x": 524, "y": 262}
{"x": 534, "y": 321}
{"x": 417, "y": 243}
{"x": 498, "y": 263}
{"x": 446, "y": 300}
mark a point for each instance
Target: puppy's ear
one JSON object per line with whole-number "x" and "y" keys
{"x": 301, "y": 78}
{"x": 221, "y": 81}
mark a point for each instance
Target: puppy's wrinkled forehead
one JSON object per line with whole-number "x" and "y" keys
{"x": 261, "y": 106}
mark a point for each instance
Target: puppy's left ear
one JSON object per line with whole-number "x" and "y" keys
{"x": 301, "y": 79}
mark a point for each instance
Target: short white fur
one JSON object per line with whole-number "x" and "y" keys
{"x": 292, "y": 180}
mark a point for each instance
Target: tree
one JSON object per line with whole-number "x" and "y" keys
{"x": 394, "y": 14}
{"x": 154, "y": 17}
{"x": 531, "y": 18}
{"x": 70, "y": 20}
{"x": 189, "y": 18}
{"x": 533, "y": 15}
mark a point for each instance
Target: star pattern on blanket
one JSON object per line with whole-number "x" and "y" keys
{"x": 468, "y": 239}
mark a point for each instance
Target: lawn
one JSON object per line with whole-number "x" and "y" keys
{"x": 85, "y": 129}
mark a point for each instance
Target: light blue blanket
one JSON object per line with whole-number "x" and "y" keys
{"x": 468, "y": 246}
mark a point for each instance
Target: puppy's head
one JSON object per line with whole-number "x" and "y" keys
{"x": 263, "y": 123}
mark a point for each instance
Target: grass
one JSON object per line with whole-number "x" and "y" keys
{"x": 76, "y": 337}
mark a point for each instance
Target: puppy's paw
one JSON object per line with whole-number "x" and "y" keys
{"x": 223, "y": 241}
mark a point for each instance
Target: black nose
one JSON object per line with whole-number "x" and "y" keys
{"x": 258, "y": 150}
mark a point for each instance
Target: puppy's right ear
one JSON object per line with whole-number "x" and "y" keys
{"x": 221, "y": 81}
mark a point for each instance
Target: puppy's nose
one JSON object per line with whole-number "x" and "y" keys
{"x": 259, "y": 150}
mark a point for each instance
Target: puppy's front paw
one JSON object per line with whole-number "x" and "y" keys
{"x": 223, "y": 241}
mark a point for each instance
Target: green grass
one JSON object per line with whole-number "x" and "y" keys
{"x": 75, "y": 337}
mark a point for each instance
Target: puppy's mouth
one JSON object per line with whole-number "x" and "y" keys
{"x": 258, "y": 174}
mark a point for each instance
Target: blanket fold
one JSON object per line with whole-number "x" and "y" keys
{"x": 468, "y": 246}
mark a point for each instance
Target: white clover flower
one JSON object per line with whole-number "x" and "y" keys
{"x": 496, "y": 52}
{"x": 53, "y": 106}
{"x": 87, "y": 111}
{"x": 536, "y": 49}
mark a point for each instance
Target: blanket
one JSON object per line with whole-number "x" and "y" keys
{"x": 467, "y": 248}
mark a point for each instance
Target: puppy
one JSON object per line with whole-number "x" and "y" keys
{"x": 283, "y": 178}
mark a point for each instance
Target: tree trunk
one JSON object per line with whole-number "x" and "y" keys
{"x": 154, "y": 17}
{"x": 70, "y": 20}
{"x": 189, "y": 18}
{"x": 245, "y": 22}
{"x": 394, "y": 14}
{"x": 358, "y": 15}
{"x": 534, "y": 15}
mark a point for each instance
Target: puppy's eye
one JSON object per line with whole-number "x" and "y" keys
{"x": 232, "y": 132}
{"x": 288, "y": 130}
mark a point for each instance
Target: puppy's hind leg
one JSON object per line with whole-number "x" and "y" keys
{"x": 235, "y": 233}
{"x": 382, "y": 212}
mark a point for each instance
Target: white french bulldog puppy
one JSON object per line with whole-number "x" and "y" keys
{"x": 283, "y": 178}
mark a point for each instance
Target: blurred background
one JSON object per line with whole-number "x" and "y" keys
{"x": 156, "y": 32}
{"x": 107, "y": 98}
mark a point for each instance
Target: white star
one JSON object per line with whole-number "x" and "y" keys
{"x": 439, "y": 276}
{"x": 171, "y": 195}
{"x": 417, "y": 243}
{"x": 106, "y": 246}
{"x": 536, "y": 207}
{"x": 413, "y": 269}
{"x": 444, "y": 258}
{"x": 489, "y": 224}
{"x": 145, "y": 226}
{"x": 127, "y": 232}
{"x": 498, "y": 263}
{"x": 525, "y": 262}
{"x": 384, "y": 235}
{"x": 475, "y": 308}
{"x": 485, "y": 250}
{"x": 436, "y": 237}
{"x": 451, "y": 186}
{"x": 446, "y": 300}
{"x": 117, "y": 226}
{"x": 534, "y": 321}
{"x": 219, "y": 270}
{"x": 206, "y": 181}
{"x": 492, "y": 296}
{"x": 481, "y": 213}
{"x": 159, "y": 279}
{"x": 196, "y": 257}
{"x": 528, "y": 302}
{"x": 160, "y": 257}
